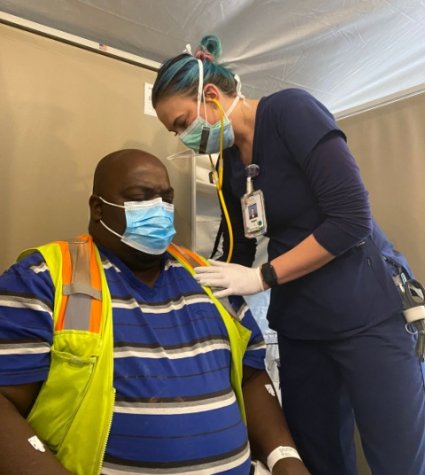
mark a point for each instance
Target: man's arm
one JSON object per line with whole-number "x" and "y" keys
{"x": 18, "y": 454}
{"x": 267, "y": 427}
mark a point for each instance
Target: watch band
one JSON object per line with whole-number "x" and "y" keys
{"x": 280, "y": 453}
{"x": 269, "y": 274}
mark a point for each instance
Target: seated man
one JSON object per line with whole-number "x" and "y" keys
{"x": 114, "y": 360}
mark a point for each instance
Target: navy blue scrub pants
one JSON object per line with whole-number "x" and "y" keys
{"x": 374, "y": 377}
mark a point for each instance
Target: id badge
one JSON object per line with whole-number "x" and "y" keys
{"x": 254, "y": 215}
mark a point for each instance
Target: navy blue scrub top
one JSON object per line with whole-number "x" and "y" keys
{"x": 312, "y": 184}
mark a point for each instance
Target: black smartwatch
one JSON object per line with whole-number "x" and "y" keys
{"x": 269, "y": 274}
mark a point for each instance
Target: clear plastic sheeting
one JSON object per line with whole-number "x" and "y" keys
{"x": 207, "y": 208}
{"x": 259, "y": 304}
{"x": 346, "y": 52}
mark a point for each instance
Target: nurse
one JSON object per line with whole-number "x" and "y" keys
{"x": 345, "y": 353}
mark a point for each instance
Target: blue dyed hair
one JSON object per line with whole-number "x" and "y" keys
{"x": 180, "y": 74}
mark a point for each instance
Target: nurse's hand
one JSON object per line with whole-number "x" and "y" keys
{"x": 232, "y": 279}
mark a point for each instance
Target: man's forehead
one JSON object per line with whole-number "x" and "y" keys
{"x": 136, "y": 166}
{"x": 132, "y": 169}
{"x": 143, "y": 176}
{"x": 156, "y": 186}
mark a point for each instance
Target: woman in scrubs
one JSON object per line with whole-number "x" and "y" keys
{"x": 344, "y": 350}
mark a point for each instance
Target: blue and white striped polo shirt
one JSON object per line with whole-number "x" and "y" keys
{"x": 175, "y": 411}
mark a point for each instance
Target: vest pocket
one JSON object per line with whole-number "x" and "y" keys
{"x": 62, "y": 393}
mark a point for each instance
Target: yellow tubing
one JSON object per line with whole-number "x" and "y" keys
{"x": 219, "y": 182}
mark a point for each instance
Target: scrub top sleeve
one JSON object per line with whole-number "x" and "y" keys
{"x": 319, "y": 148}
{"x": 342, "y": 198}
{"x": 302, "y": 122}
{"x": 26, "y": 323}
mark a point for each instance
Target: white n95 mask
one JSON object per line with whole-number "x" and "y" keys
{"x": 149, "y": 225}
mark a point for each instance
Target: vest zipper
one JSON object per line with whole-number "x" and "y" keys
{"x": 106, "y": 436}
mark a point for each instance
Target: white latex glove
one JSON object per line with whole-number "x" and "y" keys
{"x": 234, "y": 279}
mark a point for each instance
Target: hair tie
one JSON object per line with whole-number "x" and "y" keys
{"x": 204, "y": 55}
{"x": 188, "y": 49}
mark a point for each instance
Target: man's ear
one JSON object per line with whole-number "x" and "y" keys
{"x": 95, "y": 205}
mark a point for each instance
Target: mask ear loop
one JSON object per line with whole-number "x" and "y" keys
{"x": 219, "y": 181}
{"x": 200, "y": 87}
{"x": 101, "y": 220}
{"x": 111, "y": 204}
{"x": 239, "y": 95}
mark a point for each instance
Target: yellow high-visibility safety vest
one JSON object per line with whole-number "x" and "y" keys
{"x": 73, "y": 411}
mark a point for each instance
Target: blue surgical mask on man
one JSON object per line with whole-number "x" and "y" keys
{"x": 149, "y": 225}
{"x": 203, "y": 137}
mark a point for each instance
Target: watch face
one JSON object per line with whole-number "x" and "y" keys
{"x": 269, "y": 274}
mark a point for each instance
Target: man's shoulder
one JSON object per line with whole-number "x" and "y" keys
{"x": 29, "y": 276}
{"x": 27, "y": 260}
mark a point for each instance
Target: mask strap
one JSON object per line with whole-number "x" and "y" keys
{"x": 188, "y": 50}
{"x": 238, "y": 86}
{"x": 239, "y": 95}
{"x": 109, "y": 229}
{"x": 111, "y": 204}
{"x": 101, "y": 221}
{"x": 200, "y": 85}
{"x": 205, "y": 107}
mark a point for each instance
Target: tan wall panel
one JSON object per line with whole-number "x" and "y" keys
{"x": 389, "y": 145}
{"x": 62, "y": 109}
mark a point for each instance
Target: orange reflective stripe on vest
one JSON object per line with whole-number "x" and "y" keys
{"x": 81, "y": 296}
{"x": 186, "y": 257}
